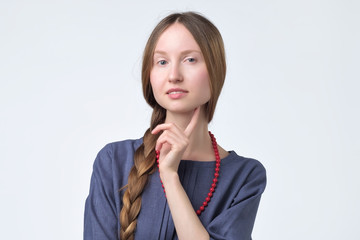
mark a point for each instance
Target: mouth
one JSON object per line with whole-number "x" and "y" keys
{"x": 176, "y": 91}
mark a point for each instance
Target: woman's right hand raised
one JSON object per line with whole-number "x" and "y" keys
{"x": 173, "y": 142}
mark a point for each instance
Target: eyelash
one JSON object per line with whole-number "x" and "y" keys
{"x": 190, "y": 60}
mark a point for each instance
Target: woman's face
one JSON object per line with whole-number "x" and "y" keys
{"x": 179, "y": 77}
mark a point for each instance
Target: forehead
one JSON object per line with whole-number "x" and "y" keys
{"x": 176, "y": 38}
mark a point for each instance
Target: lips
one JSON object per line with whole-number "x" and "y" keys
{"x": 176, "y": 91}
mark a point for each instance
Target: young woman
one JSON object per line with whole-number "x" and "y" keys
{"x": 176, "y": 182}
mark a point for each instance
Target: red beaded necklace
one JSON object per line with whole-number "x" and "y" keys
{"x": 216, "y": 174}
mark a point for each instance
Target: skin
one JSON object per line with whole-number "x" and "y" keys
{"x": 178, "y": 63}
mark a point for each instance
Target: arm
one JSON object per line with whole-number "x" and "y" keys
{"x": 237, "y": 220}
{"x": 100, "y": 218}
{"x": 172, "y": 143}
{"x": 187, "y": 223}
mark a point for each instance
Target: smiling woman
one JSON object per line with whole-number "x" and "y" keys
{"x": 176, "y": 182}
{"x": 179, "y": 77}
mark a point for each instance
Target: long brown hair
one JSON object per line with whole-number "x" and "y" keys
{"x": 211, "y": 44}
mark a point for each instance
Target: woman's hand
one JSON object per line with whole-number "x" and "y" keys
{"x": 173, "y": 142}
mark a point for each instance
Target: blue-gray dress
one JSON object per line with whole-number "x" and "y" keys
{"x": 229, "y": 215}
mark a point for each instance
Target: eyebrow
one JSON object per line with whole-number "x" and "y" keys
{"x": 183, "y": 52}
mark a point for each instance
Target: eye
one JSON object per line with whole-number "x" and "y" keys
{"x": 162, "y": 62}
{"x": 191, "y": 60}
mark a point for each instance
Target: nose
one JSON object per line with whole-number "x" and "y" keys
{"x": 175, "y": 74}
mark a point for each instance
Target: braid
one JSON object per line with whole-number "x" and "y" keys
{"x": 144, "y": 165}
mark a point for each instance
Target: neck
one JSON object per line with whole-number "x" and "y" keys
{"x": 199, "y": 148}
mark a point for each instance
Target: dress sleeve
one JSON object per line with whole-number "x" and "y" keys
{"x": 100, "y": 218}
{"x": 237, "y": 221}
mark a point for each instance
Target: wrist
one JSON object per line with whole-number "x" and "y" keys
{"x": 169, "y": 177}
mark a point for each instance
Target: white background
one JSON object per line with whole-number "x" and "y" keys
{"x": 70, "y": 83}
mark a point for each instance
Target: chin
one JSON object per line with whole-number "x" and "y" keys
{"x": 180, "y": 110}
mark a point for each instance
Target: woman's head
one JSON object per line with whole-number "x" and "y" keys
{"x": 211, "y": 45}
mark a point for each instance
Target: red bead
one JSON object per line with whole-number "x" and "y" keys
{"x": 212, "y": 189}
{"x": 198, "y": 212}
{"x": 216, "y": 174}
{"x": 213, "y": 185}
{"x": 207, "y": 199}
{"x": 215, "y": 180}
{"x": 218, "y": 165}
{"x": 210, "y": 194}
{"x": 217, "y": 169}
{"x": 202, "y": 208}
{"x": 205, "y": 204}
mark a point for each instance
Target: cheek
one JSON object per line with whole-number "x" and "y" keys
{"x": 153, "y": 81}
{"x": 204, "y": 83}
{"x": 156, "y": 76}
{"x": 157, "y": 80}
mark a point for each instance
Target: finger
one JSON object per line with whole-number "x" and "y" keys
{"x": 174, "y": 139}
{"x": 160, "y": 142}
{"x": 171, "y": 127}
{"x": 163, "y": 146}
{"x": 190, "y": 127}
{"x": 162, "y": 127}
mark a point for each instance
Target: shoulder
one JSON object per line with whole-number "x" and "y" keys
{"x": 116, "y": 159}
{"x": 117, "y": 151}
{"x": 121, "y": 146}
{"x": 244, "y": 163}
{"x": 244, "y": 170}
